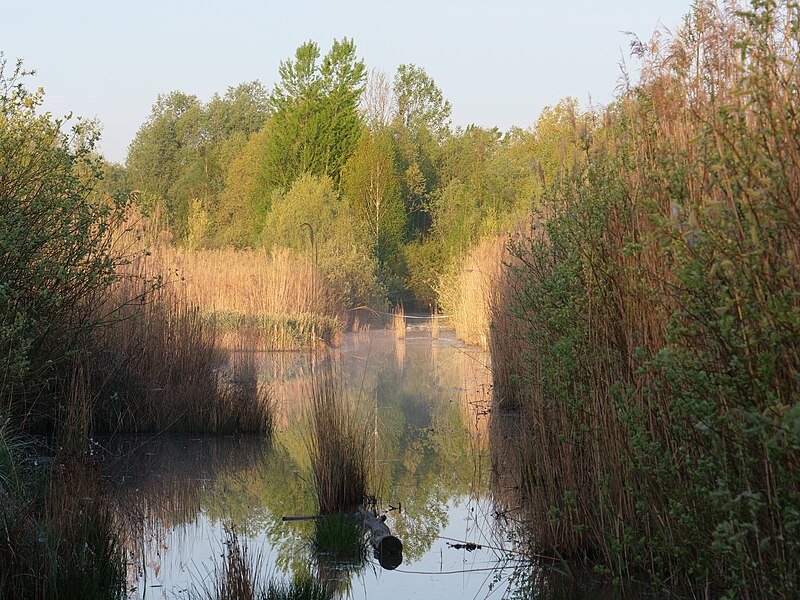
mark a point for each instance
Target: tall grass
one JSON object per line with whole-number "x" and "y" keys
{"x": 435, "y": 325}
{"x": 649, "y": 327}
{"x": 466, "y": 290}
{"x": 160, "y": 362}
{"x": 339, "y": 445}
{"x": 165, "y": 370}
{"x": 278, "y": 293}
{"x": 397, "y": 321}
{"x": 242, "y": 576}
{"x": 57, "y": 539}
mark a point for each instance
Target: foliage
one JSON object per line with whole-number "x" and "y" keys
{"x": 371, "y": 184}
{"x": 652, "y": 310}
{"x": 180, "y": 154}
{"x": 315, "y": 123}
{"x": 421, "y": 106}
{"x": 54, "y": 248}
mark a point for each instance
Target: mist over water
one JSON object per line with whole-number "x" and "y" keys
{"x": 425, "y": 400}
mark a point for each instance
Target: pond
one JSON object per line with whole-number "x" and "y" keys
{"x": 426, "y": 401}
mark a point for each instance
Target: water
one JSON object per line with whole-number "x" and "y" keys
{"x": 426, "y": 402}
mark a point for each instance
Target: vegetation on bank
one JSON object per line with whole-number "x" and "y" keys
{"x": 88, "y": 345}
{"x": 646, "y": 326}
{"x": 359, "y": 171}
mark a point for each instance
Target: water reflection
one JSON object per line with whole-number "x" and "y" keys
{"x": 426, "y": 401}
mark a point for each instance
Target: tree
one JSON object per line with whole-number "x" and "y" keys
{"x": 180, "y": 155}
{"x": 315, "y": 122}
{"x": 372, "y": 185}
{"x": 421, "y": 124}
{"x": 377, "y": 103}
{"x": 153, "y": 162}
{"x": 421, "y": 106}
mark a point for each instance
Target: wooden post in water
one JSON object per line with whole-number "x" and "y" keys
{"x": 388, "y": 549}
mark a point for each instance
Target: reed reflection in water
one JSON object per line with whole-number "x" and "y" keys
{"x": 427, "y": 400}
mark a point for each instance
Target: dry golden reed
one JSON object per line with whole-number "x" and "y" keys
{"x": 467, "y": 290}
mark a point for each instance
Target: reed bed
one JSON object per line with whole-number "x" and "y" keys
{"x": 648, "y": 327}
{"x": 253, "y": 282}
{"x": 466, "y": 291}
{"x": 57, "y": 540}
{"x": 280, "y": 333}
{"x": 164, "y": 368}
{"x": 339, "y": 445}
{"x": 397, "y": 321}
{"x": 278, "y": 293}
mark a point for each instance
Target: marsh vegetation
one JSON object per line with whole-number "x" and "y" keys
{"x": 280, "y": 275}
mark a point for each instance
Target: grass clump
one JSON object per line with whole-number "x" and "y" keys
{"x": 397, "y": 321}
{"x": 241, "y": 576}
{"x": 339, "y": 535}
{"x": 57, "y": 539}
{"x": 339, "y": 446}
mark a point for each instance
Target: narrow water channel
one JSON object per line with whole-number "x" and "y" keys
{"x": 424, "y": 399}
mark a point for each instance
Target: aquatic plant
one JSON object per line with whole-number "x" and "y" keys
{"x": 466, "y": 290}
{"x": 339, "y": 446}
{"x": 241, "y": 576}
{"x": 339, "y": 535}
{"x": 57, "y": 539}
{"x": 161, "y": 366}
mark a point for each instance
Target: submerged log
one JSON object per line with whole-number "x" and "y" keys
{"x": 388, "y": 549}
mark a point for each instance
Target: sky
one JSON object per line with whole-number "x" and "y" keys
{"x": 498, "y": 62}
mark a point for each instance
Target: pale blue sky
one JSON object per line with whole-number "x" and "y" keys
{"x": 497, "y": 62}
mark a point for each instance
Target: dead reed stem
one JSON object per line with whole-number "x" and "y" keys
{"x": 398, "y": 322}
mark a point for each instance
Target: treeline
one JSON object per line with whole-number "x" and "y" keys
{"x": 646, "y": 322}
{"x": 391, "y": 191}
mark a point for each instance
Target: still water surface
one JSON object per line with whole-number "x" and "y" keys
{"x": 426, "y": 402}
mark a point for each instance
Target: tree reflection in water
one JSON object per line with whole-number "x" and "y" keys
{"x": 428, "y": 406}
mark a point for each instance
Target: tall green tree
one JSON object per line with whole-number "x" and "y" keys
{"x": 315, "y": 123}
{"x": 372, "y": 185}
{"x": 180, "y": 155}
{"x": 421, "y": 106}
{"x": 421, "y": 123}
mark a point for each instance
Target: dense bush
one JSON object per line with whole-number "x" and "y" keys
{"x": 54, "y": 248}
